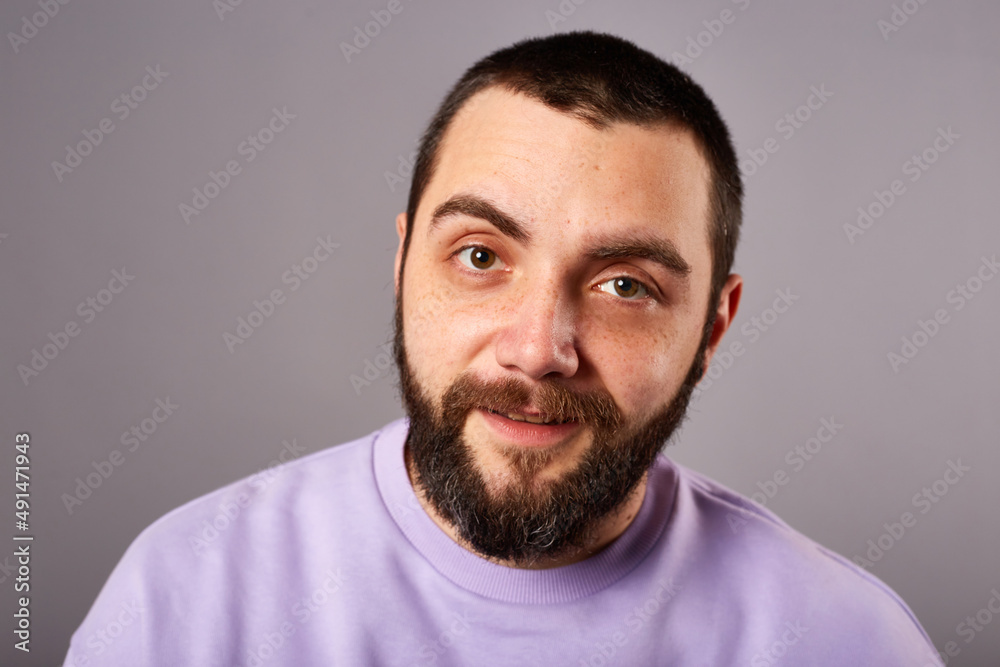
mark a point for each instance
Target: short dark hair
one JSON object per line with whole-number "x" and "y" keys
{"x": 603, "y": 79}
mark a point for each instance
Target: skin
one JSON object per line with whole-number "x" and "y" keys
{"x": 545, "y": 308}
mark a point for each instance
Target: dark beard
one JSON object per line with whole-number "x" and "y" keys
{"x": 527, "y": 523}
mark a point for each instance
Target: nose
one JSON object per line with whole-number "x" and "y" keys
{"x": 540, "y": 338}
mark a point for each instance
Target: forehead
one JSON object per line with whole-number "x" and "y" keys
{"x": 543, "y": 162}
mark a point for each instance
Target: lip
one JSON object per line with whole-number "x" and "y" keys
{"x": 527, "y": 434}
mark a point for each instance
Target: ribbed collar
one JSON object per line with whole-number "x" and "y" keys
{"x": 506, "y": 584}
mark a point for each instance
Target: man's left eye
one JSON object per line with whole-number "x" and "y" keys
{"x": 479, "y": 258}
{"x": 626, "y": 288}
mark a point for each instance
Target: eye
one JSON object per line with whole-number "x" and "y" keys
{"x": 625, "y": 287}
{"x": 479, "y": 258}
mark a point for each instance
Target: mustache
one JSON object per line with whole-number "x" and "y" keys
{"x": 554, "y": 401}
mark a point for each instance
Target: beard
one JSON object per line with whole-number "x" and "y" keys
{"x": 527, "y": 521}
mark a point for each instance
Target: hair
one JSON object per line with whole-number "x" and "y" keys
{"x": 602, "y": 79}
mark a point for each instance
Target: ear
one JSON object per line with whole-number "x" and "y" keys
{"x": 401, "y": 232}
{"x": 729, "y": 302}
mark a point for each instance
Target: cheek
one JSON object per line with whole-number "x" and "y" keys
{"x": 642, "y": 366}
{"x": 442, "y": 334}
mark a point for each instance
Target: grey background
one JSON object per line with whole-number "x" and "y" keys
{"x": 325, "y": 174}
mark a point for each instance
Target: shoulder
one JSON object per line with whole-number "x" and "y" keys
{"x": 742, "y": 552}
{"x": 182, "y": 574}
{"x": 329, "y": 476}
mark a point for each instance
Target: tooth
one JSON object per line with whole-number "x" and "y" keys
{"x": 531, "y": 419}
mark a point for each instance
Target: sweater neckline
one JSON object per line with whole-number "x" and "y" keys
{"x": 506, "y": 584}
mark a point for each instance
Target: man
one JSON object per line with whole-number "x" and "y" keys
{"x": 562, "y": 281}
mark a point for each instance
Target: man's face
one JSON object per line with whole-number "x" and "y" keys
{"x": 556, "y": 273}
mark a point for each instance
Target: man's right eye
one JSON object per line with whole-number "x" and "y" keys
{"x": 479, "y": 258}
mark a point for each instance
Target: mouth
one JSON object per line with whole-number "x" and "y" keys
{"x": 529, "y": 428}
{"x": 531, "y": 418}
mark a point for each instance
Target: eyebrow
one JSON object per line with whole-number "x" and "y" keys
{"x": 660, "y": 251}
{"x": 477, "y": 207}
